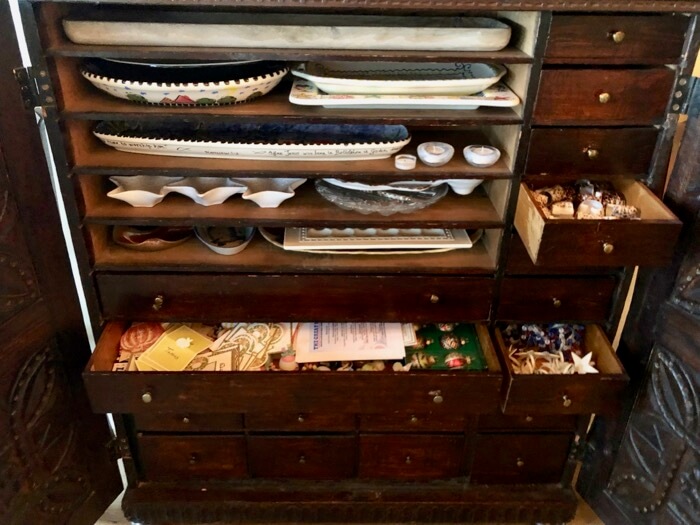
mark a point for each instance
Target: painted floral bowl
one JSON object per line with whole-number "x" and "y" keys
{"x": 188, "y": 85}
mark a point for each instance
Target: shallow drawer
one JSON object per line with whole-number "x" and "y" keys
{"x": 550, "y": 299}
{"x": 594, "y": 97}
{"x": 327, "y": 457}
{"x": 501, "y": 423}
{"x": 648, "y": 241}
{"x": 300, "y": 421}
{"x": 414, "y": 422}
{"x": 583, "y": 151}
{"x": 411, "y": 456}
{"x": 520, "y": 458}
{"x": 182, "y": 422}
{"x": 191, "y": 457}
{"x": 300, "y": 392}
{"x": 530, "y": 394}
{"x": 315, "y": 297}
{"x": 616, "y": 39}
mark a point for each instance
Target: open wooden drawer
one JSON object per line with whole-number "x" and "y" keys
{"x": 458, "y": 393}
{"x": 648, "y": 241}
{"x": 533, "y": 394}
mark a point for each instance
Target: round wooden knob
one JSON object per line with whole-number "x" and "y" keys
{"x": 186, "y": 420}
{"x": 408, "y": 460}
{"x": 556, "y": 302}
{"x": 566, "y": 401}
{"x": 302, "y": 459}
{"x": 608, "y": 248}
{"x": 592, "y": 153}
{"x": 434, "y": 299}
{"x": 520, "y": 463}
{"x": 529, "y": 419}
{"x": 301, "y": 418}
{"x": 157, "y": 303}
{"x": 194, "y": 458}
{"x": 604, "y": 98}
{"x": 146, "y": 397}
{"x": 617, "y": 36}
{"x": 414, "y": 419}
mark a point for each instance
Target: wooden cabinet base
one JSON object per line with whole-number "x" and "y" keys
{"x": 344, "y": 502}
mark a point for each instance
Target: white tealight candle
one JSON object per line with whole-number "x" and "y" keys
{"x": 481, "y": 156}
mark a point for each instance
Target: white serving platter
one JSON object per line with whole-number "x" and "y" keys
{"x": 310, "y": 239}
{"x": 282, "y": 31}
{"x": 306, "y": 93}
{"x": 400, "y": 78}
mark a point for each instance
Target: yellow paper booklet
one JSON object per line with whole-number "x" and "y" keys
{"x": 175, "y": 349}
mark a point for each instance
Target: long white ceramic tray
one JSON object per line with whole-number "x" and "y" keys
{"x": 306, "y": 93}
{"x": 317, "y": 142}
{"x": 280, "y": 31}
{"x": 310, "y": 239}
{"x": 400, "y": 78}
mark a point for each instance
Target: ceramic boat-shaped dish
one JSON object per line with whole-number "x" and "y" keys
{"x": 150, "y": 238}
{"x": 280, "y": 31}
{"x": 269, "y": 193}
{"x": 225, "y": 240}
{"x": 188, "y": 85}
{"x": 206, "y": 191}
{"x": 400, "y": 78}
{"x": 318, "y": 142}
{"x": 141, "y": 191}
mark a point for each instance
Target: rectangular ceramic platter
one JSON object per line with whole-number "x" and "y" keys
{"x": 309, "y": 239}
{"x": 305, "y": 93}
{"x": 294, "y": 31}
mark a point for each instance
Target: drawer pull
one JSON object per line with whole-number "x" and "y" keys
{"x": 194, "y": 458}
{"x": 157, "y": 303}
{"x": 408, "y": 460}
{"x": 302, "y": 459}
{"x": 300, "y": 418}
{"x": 434, "y": 299}
{"x": 414, "y": 420}
{"x": 146, "y": 397}
{"x": 592, "y": 153}
{"x": 608, "y": 248}
{"x": 604, "y": 98}
{"x": 186, "y": 420}
{"x": 528, "y": 419}
{"x": 437, "y": 396}
{"x": 556, "y": 302}
{"x": 617, "y": 36}
{"x": 566, "y": 401}
{"x": 520, "y": 463}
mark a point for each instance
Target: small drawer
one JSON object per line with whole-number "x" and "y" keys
{"x": 267, "y": 297}
{"x": 616, "y": 39}
{"x": 501, "y": 423}
{"x": 582, "y": 151}
{"x": 520, "y": 458}
{"x": 300, "y": 421}
{"x": 411, "y": 456}
{"x": 648, "y": 241}
{"x": 191, "y": 457}
{"x": 414, "y": 422}
{"x": 535, "y": 394}
{"x": 549, "y": 299}
{"x": 327, "y": 457}
{"x": 599, "y": 97}
{"x": 185, "y": 422}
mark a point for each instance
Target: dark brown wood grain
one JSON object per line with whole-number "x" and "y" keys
{"x": 281, "y": 421}
{"x": 186, "y": 422}
{"x": 626, "y": 151}
{"x": 528, "y": 423}
{"x": 647, "y": 40}
{"x": 571, "y": 96}
{"x": 406, "y": 423}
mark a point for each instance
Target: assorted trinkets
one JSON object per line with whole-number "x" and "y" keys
{"x": 445, "y": 346}
{"x": 584, "y": 200}
{"x": 548, "y": 349}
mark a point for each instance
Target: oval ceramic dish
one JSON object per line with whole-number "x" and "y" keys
{"x": 318, "y": 142}
{"x": 141, "y": 191}
{"x": 186, "y": 85}
{"x": 400, "y": 78}
{"x": 206, "y": 191}
{"x": 270, "y": 193}
{"x": 150, "y": 238}
{"x": 225, "y": 240}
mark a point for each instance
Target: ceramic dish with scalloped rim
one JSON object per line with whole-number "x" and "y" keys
{"x": 206, "y": 191}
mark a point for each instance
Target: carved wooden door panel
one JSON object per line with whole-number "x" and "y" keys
{"x": 646, "y": 469}
{"x": 55, "y": 466}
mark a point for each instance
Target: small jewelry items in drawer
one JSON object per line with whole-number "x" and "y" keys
{"x": 584, "y": 200}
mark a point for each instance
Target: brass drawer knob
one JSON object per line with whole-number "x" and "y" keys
{"x": 186, "y": 420}
{"x": 520, "y": 463}
{"x": 194, "y": 458}
{"x": 146, "y": 397}
{"x": 592, "y": 153}
{"x": 414, "y": 420}
{"x": 437, "y": 396}
{"x": 157, "y": 303}
{"x": 300, "y": 418}
{"x": 408, "y": 460}
{"x": 617, "y": 36}
{"x": 529, "y": 419}
{"x": 608, "y": 248}
{"x": 302, "y": 459}
{"x": 604, "y": 98}
{"x": 556, "y": 302}
{"x": 434, "y": 299}
{"x": 566, "y": 401}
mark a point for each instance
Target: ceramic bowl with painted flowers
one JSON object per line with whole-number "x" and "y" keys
{"x": 191, "y": 84}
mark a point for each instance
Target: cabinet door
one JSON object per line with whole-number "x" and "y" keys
{"x": 53, "y": 459}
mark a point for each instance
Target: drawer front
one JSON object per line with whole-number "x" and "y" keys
{"x": 300, "y": 421}
{"x": 555, "y": 299}
{"x": 411, "y": 456}
{"x": 192, "y": 457}
{"x": 185, "y": 422}
{"x": 520, "y": 458}
{"x": 603, "y": 96}
{"x": 501, "y": 423}
{"x": 616, "y": 39}
{"x": 327, "y": 457}
{"x": 583, "y": 151}
{"x": 413, "y": 422}
{"x": 268, "y": 297}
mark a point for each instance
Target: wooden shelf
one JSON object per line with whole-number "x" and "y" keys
{"x": 306, "y": 208}
{"x": 262, "y": 257}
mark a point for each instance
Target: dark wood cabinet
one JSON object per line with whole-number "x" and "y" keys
{"x": 599, "y": 99}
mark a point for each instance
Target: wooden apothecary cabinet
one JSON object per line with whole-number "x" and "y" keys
{"x": 600, "y": 96}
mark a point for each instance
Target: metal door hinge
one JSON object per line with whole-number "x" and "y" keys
{"x": 683, "y": 93}
{"x": 35, "y": 87}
